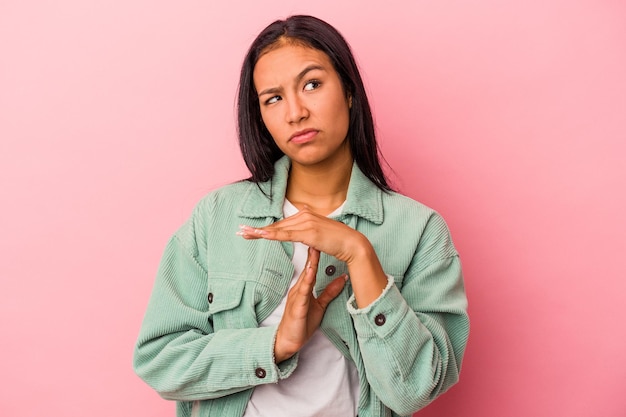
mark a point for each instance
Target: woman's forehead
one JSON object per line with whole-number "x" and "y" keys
{"x": 288, "y": 61}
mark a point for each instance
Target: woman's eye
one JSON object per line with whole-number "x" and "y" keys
{"x": 311, "y": 85}
{"x": 272, "y": 100}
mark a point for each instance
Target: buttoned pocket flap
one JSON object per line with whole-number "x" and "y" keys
{"x": 224, "y": 294}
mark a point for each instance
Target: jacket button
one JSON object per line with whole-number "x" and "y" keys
{"x": 210, "y": 297}
{"x": 380, "y": 319}
{"x": 260, "y": 373}
{"x": 330, "y": 270}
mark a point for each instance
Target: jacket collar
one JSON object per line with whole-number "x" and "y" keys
{"x": 266, "y": 199}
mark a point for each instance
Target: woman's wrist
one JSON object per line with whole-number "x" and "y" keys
{"x": 280, "y": 353}
{"x": 360, "y": 249}
{"x": 367, "y": 276}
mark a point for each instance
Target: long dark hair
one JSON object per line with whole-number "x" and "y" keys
{"x": 257, "y": 146}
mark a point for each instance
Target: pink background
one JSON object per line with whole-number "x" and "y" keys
{"x": 507, "y": 117}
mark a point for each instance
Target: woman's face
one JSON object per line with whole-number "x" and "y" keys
{"x": 303, "y": 104}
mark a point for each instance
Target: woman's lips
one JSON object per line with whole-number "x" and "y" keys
{"x": 303, "y": 136}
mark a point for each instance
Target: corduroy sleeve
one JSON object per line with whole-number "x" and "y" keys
{"x": 177, "y": 351}
{"x": 412, "y": 340}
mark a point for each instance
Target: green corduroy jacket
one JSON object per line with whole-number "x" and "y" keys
{"x": 200, "y": 341}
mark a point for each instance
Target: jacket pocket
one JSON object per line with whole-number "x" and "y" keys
{"x": 225, "y": 306}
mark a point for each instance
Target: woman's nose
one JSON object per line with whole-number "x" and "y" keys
{"x": 297, "y": 110}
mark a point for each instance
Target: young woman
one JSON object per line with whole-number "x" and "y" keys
{"x": 310, "y": 289}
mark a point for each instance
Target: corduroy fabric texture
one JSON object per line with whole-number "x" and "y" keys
{"x": 200, "y": 338}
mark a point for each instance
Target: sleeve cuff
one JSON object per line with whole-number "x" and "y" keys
{"x": 286, "y": 367}
{"x": 383, "y": 316}
{"x": 262, "y": 369}
{"x": 352, "y": 307}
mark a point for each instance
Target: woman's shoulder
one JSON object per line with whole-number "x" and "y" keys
{"x": 225, "y": 196}
{"x": 406, "y": 215}
{"x": 397, "y": 203}
{"x": 404, "y": 210}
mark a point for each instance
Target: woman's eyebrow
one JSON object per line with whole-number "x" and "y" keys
{"x": 311, "y": 67}
{"x": 299, "y": 77}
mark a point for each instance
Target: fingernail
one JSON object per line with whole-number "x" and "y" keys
{"x": 248, "y": 229}
{"x": 346, "y": 278}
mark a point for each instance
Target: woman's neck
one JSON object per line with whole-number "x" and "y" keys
{"x": 321, "y": 188}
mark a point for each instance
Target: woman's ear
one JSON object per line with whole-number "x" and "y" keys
{"x": 349, "y": 101}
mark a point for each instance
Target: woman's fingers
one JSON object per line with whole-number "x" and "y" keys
{"x": 294, "y": 329}
{"x": 331, "y": 291}
{"x": 327, "y": 235}
{"x": 248, "y": 232}
{"x": 281, "y": 230}
{"x": 307, "y": 277}
{"x": 285, "y": 229}
{"x": 303, "y": 312}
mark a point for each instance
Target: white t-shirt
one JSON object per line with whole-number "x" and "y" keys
{"x": 325, "y": 383}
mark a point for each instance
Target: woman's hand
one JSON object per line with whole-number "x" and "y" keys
{"x": 336, "y": 239}
{"x": 313, "y": 230}
{"x": 303, "y": 312}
